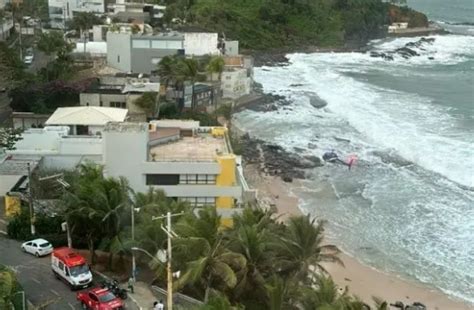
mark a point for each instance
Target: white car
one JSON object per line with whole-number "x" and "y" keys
{"x": 37, "y": 247}
{"x": 28, "y": 59}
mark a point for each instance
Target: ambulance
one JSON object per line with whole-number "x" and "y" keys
{"x": 71, "y": 267}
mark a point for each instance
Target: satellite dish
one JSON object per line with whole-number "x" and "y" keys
{"x": 161, "y": 254}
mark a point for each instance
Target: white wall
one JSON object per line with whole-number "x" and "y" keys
{"x": 200, "y": 43}
{"x": 235, "y": 83}
{"x": 7, "y": 182}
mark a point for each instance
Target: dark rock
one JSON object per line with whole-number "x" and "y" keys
{"x": 298, "y": 149}
{"x": 295, "y": 85}
{"x": 317, "y": 102}
{"x": 312, "y": 146}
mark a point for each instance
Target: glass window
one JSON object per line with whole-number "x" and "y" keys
{"x": 174, "y": 45}
{"x": 141, "y": 43}
{"x": 159, "y": 44}
{"x": 107, "y": 297}
{"x": 93, "y": 297}
{"x": 77, "y": 270}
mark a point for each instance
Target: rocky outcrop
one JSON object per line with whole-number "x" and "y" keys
{"x": 275, "y": 160}
{"x": 406, "y": 51}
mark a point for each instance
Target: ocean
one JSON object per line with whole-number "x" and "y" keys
{"x": 408, "y": 205}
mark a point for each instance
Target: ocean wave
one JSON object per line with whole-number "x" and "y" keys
{"x": 410, "y": 124}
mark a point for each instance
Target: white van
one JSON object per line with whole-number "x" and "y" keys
{"x": 71, "y": 267}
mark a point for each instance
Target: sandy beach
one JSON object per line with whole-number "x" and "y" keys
{"x": 361, "y": 280}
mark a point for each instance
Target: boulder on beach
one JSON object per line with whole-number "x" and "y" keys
{"x": 317, "y": 102}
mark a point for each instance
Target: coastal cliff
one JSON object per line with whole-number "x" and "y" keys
{"x": 263, "y": 24}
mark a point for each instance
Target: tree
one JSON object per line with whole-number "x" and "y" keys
{"x": 53, "y": 43}
{"x": 201, "y": 246}
{"x": 216, "y": 65}
{"x": 149, "y": 103}
{"x": 82, "y": 22}
{"x": 167, "y": 70}
{"x": 301, "y": 250}
{"x": 9, "y": 137}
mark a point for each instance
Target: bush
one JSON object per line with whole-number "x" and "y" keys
{"x": 47, "y": 227}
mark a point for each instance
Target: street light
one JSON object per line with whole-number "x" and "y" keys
{"x": 171, "y": 234}
{"x": 134, "y": 264}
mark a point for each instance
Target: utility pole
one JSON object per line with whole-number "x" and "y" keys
{"x": 134, "y": 264}
{"x": 168, "y": 268}
{"x": 30, "y": 202}
{"x": 171, "y": 234}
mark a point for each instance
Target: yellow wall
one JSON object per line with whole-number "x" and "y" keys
{"x": 227, "y": 222}
{"x": 12, "y": 205}
{"x": 226, "y": 178}
{"x": 218, "y": 131}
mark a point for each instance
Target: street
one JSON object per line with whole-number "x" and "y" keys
{"x": 36, "y": 277}
{"x": 40, "y": 61}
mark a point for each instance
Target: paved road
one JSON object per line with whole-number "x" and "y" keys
{"x": 37, "y": 279}
{"x": 40, "y": 61}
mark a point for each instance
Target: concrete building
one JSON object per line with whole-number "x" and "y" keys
{"x": 86, "y": 120}
{"x": 201, "y": 43}
{"x": 189, "y": 163}
{"x": 235, "y": 83}
{"x": 61, "y": 11}
{"x": 138, "y": 53}
{"x": 26, "y": 120}
{"x": 118, "y": 92}
{"x": 231, "y": 48}
{"x": 237, "y": 77}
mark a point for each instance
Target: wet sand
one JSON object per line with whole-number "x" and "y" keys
{"x": 361, "y": 280}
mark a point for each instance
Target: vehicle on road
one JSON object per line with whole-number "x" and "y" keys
{"x": 38, "y": 247}
{"x": 71, "y": 267}
{"x": 99, "y": 299}
{"x": 115, "y": 288}
{"x": 28, "y": 59}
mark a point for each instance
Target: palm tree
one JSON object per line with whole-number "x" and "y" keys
{"x": 7, "y": 283}
{"x": 201, "y": 246}
{"x": 251, "y": 237}
{"x": 281, "y": 294}
{"x": 301, "y": 251}
{"x": 216, "y": 65}
{"x": 167, "y": 70}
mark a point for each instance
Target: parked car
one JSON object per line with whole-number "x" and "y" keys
{"x": 37, "y": 247}
{"x": 99, "y": 299}
{"x": 28, "y": 59}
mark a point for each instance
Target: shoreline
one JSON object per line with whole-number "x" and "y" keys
{"x": 362, "y": 280}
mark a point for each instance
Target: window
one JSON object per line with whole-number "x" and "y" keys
{"x": 118, "y": 58}
{"x": 141, "y": 43}
{"x": 61, "y": 265}
{"x": 162, "y": 179}
{"x": 199, "y": 201}
{"x": 159, "y": 44}
{"x": 93, "y": 297}
{"x": 174, "y": 44}
{"x": 228, "y": 77}
{"x": 117, "y": 104}
{"x": 197, "y": 179}
{"x": 101, "y": 103}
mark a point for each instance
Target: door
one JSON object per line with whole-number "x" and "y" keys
{"x": 28, "y": 247}
{"x": 93, "y": 301}
{"x": 34, "y": 248}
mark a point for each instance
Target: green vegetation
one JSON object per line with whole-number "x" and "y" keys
{"x": 258, "y": 263}
{"x": 8, "y": 137}
{"x": 10, "y": 290}
{"x": 262, "y": 24}
{"x": 148, "y": 102}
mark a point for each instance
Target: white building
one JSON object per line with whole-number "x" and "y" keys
{"x": 138, "y": 11}
{"x": 86, "y": 120}
{"x": 201, "y": 43}
{"x": 6, "y": 26}
{"x": 188, "y": 162}
{"x": 61, "y": 11}
{"x": 235, "y": 83}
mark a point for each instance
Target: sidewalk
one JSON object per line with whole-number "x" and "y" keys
{"x": 142, "y": 296}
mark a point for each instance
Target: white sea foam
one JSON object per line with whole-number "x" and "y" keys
{"x": 410, "y": 124}
{"x": 404, "y": 142}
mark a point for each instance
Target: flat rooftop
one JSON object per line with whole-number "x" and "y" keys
{"x": 203, "y": 147}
